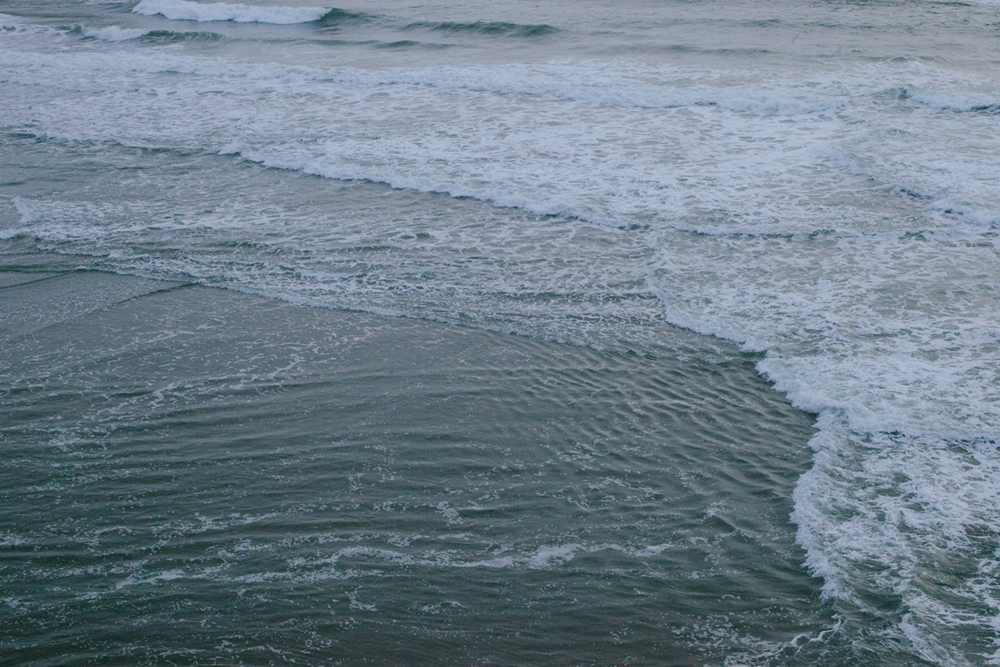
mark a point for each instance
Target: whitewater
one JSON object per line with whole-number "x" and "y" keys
{"x": 816, "y": 183}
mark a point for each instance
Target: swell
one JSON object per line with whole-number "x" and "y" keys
{"x": 116, "y": 34}
{"x": 172, "y": 37}
{"x": 496, "y": 28}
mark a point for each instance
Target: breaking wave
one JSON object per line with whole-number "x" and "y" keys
{"x": 182, "y": 10}
{"x": 116, "y": 34}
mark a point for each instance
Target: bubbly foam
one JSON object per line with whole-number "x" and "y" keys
{"x": 114, "y": 33}
{"x": 15, "y": 25}
{"x": 918, "y": 507}
{"x": 555, "y": 170}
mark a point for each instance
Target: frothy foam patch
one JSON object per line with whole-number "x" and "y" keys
{"x": 909, "y": 524}
{"x": 969, "y": 211}
{"x": 624, "y": 85}
{"x": 23, "y": 208}
{"x": 183, "y": 10}
{"x": 602, "y": 287}
{"x": 114, "y": 33}
{"x": 548, "y": 556}
{"x": 16, "y": 25}
{"x": 8, "y": 539}
{"x": 8, "y": 21}
{"x": 943, "y": 166}
{"x": 890, "y": 337}
{"x": 848, "y": 325}
{"x": 170, "y": 575}
{"x": 772, "y": 176}
{"x": 627, "y": 85}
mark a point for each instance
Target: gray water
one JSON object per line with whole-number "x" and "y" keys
{"x": 532, "y": 333}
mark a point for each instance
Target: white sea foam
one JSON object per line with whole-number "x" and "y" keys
{"x": 773, "y": 178}
{"x": 554, "y": 169}
{"x": 16, "y": 25}
{"x": 890, "y": 515}
{"x": 169, "y": 575}
{"x": 547, "y": 556}
{"x": 184, "y": 10}
{"x": 626, "y": 86}
{"x": 114, "y": 33}
{"x": 8, "y": 21}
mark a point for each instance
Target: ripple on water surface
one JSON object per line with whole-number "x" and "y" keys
{"x": 200, "y": 472}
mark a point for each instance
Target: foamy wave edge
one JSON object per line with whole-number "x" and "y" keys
{"x": 183, "y": 10}
{"x": 114, "y": 33}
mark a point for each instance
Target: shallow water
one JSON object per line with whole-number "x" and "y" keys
{"x": 198, "y": 475}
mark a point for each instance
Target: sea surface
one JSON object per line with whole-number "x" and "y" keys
{"x": 538, "y": 332}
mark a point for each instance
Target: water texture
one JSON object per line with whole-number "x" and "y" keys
{"x": 463, "y": 333}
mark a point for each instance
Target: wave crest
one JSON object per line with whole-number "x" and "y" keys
{"x": 183, "y": 10}
{"x": 115, "y": 34}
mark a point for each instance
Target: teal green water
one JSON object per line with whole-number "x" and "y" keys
{"x": 201, "y": 477}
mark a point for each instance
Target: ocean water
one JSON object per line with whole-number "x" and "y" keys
{"x": 539, "y": 332}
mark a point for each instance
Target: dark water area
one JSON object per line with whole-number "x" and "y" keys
{"x": 197, "y": 475}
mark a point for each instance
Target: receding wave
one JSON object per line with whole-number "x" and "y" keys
{"x": 487, "y": 28}
{"x": 183, "y": 10}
